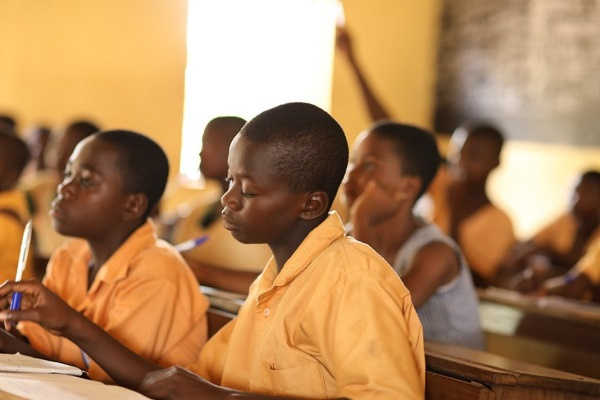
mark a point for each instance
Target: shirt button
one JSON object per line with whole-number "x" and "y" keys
{"x": 266, "y": 312}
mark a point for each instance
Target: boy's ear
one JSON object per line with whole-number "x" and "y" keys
{"x": 135, "y": 206}
{"x": 315, "y": 206}
{"x": 411, "y": 185}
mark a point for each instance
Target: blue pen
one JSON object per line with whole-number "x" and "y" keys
{"x": 190, "y": 244}
{"x": 16, "y": 297}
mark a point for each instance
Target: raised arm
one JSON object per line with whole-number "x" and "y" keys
{"x": 376, "y": 109}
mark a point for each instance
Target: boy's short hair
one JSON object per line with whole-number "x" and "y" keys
{"x": 486, "y": 132}
{"x": 312, "y": 146}
{"x": 83, "y": 127}
{"x": 232, "y": 123}
{"x": 143, "y": 163}
{"x": 416, "y": 148}
{"x": 14, "y": 151}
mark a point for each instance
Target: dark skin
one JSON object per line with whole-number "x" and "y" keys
{"x": 258, "y": 208}
{"x": 344, "y": 44}
{"x": 92, "y": 205}
{"x": 381, "y": 199}
{"x": 539, "y": 263}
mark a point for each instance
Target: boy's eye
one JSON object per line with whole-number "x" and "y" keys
{"x": 248, "y": 195}
{"x": 85, "y": 181}
{"x": 369, "y": 166}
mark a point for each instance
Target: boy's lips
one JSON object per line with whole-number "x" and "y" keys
{"x": 57, "y": 211}
{"x": 228, "y": 224}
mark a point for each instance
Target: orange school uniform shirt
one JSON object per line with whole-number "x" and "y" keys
{"x": 589, "y": 264}
{"x": 11, "y": 234}
{"x": 335, "y": 322}
{"x": 485, "y": 237}
{"x": 144, "y": 295}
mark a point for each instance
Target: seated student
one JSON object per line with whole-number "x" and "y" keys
{"x": 41, "y": 190}
{"x": 460, "y": 205}
{"x": 464, "y": 211}
{"x": 13, "y": 205}
{"x": 558, "y": 246}
{"x": 118, "y": 274}
{"x": 582, "y": 281}
{"x": 217, "y": 261}
{"x": 327, "y": 318}
{"x": 391, "y": 167}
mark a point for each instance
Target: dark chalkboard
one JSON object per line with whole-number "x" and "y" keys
{"x": 532, "y": 67}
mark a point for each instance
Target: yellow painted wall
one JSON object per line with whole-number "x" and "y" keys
{"x": 122, "y": 63}
{"x": 118, "y": 62}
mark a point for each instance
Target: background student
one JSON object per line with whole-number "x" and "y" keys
{"x": 221, "y": 261}
{"x": 558, "y": 246}
{"x": 117, "y": 273}
{"x": 13, "y": 205}
{"x": 327, "y": 318}
{"x": 392, "y": 165}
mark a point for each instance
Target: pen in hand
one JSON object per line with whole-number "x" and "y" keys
{"x": 190, "y": 244}
{"x": 16, "y": 297}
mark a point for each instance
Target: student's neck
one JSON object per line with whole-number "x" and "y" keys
{"x": 287, "y": 245}
{"x": 103, "y": 248}
{"x": 393, "y": 233}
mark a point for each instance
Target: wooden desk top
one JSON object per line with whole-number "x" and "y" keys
{"x": 493, "y": 370}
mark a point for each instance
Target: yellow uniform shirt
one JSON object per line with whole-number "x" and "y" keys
{"x": 485, "y": 238}
{"x": 560, "y": 234}
{"x": 11, "y": 234}
{"x": 335, "y": 322}
{"x": 144, "y": 295}
{"x": 589, "y": 264}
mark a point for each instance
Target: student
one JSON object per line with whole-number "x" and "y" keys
{"x": 221, "y": 261}
{"x": 391, "y": 167}
{"x": 464, "y": 211}
{"x": 581, "y": 282}
{"x": 13, "y": 205}
{"x": 327, "y": 318}
{"x": 558, "y": 246}
{"x": 117, "y": 273}
{"x": 460, "y": 205}
{"x": 41, "y": 190}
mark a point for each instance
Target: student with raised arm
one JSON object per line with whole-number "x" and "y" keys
{"x": 116, "y": 273}
{"x": 391, "y": 167}
{"x": 327, "y": 318}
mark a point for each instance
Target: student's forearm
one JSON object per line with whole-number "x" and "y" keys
{"x": 376, "y": 110}
{"x": 124, "y": 366}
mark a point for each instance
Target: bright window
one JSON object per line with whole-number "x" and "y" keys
{"x": 245, "y": 56}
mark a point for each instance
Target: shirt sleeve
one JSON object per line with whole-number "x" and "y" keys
{"x": 387, "y": 362}
{"x": 589, "y": 264}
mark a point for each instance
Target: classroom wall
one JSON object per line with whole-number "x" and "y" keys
{"x": 119, "y": 62}
{"x": 123, "y": 62}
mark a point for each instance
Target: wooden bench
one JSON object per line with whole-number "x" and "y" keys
{"x": 457, "y": 373}
{"x": 552, "y": 332}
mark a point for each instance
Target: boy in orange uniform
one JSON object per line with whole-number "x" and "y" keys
{"x": 117, "y": 273}
{"x": 13, "y": 205}
{"x": 327, "y": 317}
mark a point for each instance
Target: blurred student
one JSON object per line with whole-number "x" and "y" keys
{"x": 580, "y": 282}
{"x": 392, "y": 165}
{"x": 558, "y": 246}
{"x": 327, "y": 318}
{"x": 14, "y": 212}
{"x": 117, "y": 273}
{"x": 8, "y": 124}
{"x": 220, "y": 261}
{"x": 461, "y": 206}
{"x": 464, "y": 210}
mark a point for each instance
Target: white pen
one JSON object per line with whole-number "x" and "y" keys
{"x": 190, "y": 244}
{"x": 16, "y": 297}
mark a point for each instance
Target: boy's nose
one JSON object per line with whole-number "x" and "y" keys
{"x": 65, "y": 188}
{"x": 228, "y": 200}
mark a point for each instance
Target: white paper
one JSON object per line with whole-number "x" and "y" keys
{"x": 22, "y": 363}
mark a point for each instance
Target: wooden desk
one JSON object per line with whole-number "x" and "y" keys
{"x": 556, "y": 333}
{"x": 457, "y": 373}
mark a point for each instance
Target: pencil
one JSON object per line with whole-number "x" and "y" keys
{"x": 16, "y": 297}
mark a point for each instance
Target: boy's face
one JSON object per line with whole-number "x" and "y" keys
{"x": 472, "y": 158}
{"x": 90, "y": 198}
{"x": 586, "y": 198}
{"x": 373, "y": 159}
{"x": 259, "y": 207}
{"x": 213, "y": 157}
